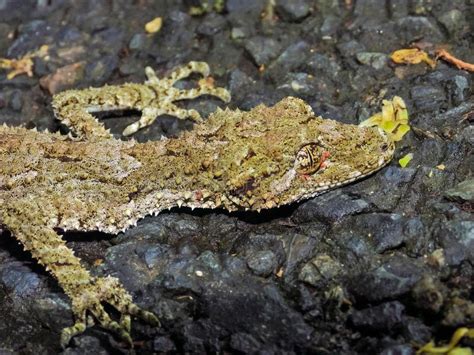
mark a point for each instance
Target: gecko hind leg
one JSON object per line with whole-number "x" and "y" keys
{"x": 26, "y": 219}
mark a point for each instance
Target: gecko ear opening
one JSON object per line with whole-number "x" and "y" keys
{"x": 310, "y": 158}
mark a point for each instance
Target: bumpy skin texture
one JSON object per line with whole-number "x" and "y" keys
{"x": 264, "y": 158}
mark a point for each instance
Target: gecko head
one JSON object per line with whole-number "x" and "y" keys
{"x": 291, "y": 155}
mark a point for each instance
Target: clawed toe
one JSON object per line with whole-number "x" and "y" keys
{"x": 90, "y": 302}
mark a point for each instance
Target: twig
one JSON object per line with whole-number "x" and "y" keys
{"x": 445, "y": 55}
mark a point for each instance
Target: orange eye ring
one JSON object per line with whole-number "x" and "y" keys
{"x": 310, "y": 158}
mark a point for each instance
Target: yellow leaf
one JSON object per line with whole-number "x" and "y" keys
{"x": 400, "y": 132}
{"x": 374, "y": 120}
{"x": 405, "y": 160}
{"x": 412, "y": 56}
{"x": 154, "y": 25}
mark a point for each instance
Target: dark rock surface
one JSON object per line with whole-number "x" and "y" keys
{"x": 369, "y": 268}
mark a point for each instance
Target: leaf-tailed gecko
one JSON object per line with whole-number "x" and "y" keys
{"x": 235, "y": 160}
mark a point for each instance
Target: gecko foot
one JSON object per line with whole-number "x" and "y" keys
{"x": 89, "y": 299}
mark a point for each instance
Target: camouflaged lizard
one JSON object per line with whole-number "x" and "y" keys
{"x": 264, "y": 158}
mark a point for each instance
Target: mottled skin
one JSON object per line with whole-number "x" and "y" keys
{"x": 235, "y": 160}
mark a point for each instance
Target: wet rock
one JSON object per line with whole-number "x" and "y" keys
{"x": 393, "y": 278}
{"x": 460, "y": 85}
{"x": 384, "y": 316}
{"x": 138, "y": 41}
{"x": 415, "y": 330}
{"x": 64, "y": 78}
{"x": 350, "y": 48}
{"x": 402, "y": 349}
{"x": 5, "y": 30}
{"x": 212, "y": 24}
{"x": 86, "y": 343}
{"x": 16, "y": 100}
{"x": 239, "y": 80}
{"x": 262, "y": 263}
{"x": 330, "y": 25}
{"x": 454, "y": 21}
{"x": 262, "y": 49}
{"x": 99, "y": 71}
{"x": 19, "y": 280}
{"x": 375, "y": 60}
{"x": 131, "y": 66}
{"x": 290, "y": 59}
{"x": 245, "y": 343}
{"x": 240, "y": 6}
{"x": 386, "y": 230}
{"x": 462, "y": 192}
{"x": 457, "y": 239}
{"x": 292, "y": 11}
{"x": 427, "y": 97}
{"x": 163, "y": 344}
{"x": 31, "y": 36}
{"x": 330, "y": 207}
{"x": 321, "y": 63}
{"x": 411, "y": 28}
{"x": 399, "y": 8}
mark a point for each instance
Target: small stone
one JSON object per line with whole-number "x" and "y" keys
{"x": 460, "y": 89}
{"x": 427, "y": 97}
{"x": 262, "y": 263}
{"x": 101, "y": 70}
{"x": 411, "y": 28}
{"x": 395, "y": 277}
{"x": 454, "y": 21}
{"x": 415, "y": 330}
{"x": 16, "y": 101}
{"x": 262, "y": 49}
{"x": 64, "y": 78}
{"x": 138, "y": 41}
{"x": 294, "y": 10}
{"x": 457, "y": 239}
{"x": 290, "y": 59}
{"x": 244, "y": 343}
{"x": 382, "y": 317}
{"x": 462, "y": 192}
{"x": 330, "y": 207}
{"x": 212, "y": 24}
{"x": 375, "y": 60}
{"x": 400, "y": 349}
{"x": 163, "y": 344}
{"x": 19, "y": 280}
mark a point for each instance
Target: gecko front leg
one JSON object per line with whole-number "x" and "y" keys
{"x": 31, "y": 221}
{"x": 153, "y": 98}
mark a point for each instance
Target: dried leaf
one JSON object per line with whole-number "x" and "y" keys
{"x": 393, "y": 119}
{"x": 412, "y": 56}
{"x": 154, "y": 25}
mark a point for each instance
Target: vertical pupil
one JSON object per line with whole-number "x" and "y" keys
{"x": 307, "y": 159}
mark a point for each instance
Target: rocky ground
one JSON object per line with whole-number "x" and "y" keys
{"x": 372, "y": 268}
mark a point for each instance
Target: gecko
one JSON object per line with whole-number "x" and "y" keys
{"x": 235, "y": 160}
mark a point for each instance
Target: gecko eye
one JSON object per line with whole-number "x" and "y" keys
{"x": 384, "y": 147}
{"x": 310, "y": 158}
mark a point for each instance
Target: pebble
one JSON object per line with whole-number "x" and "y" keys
{"x": 262, "y": 263}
